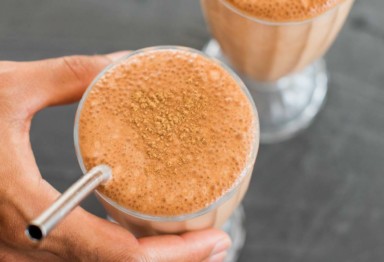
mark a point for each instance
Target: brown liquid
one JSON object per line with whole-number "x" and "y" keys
{"x": 175, "y": 127}
{"x": 254, "y": 37}
{"x": 284, "y": 10}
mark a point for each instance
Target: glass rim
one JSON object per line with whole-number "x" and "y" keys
{"x": 286, "y": 23}
{"x": 223, "y": 198}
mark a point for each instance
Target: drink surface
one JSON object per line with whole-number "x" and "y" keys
{"x": 284, "y": 10}
{"x": 175, "y": 127}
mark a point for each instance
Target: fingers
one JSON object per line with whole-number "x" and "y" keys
{"x": 204, "y": 245}
{"x": 115, "y": 243}
{"x": 62, "y": 80}
{"x": 106, "y": 241}
{"x": 84, "y": 237}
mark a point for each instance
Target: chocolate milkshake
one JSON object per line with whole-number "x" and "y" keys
{"x": 268, "y": 39}
{"x": 181, "y": 135}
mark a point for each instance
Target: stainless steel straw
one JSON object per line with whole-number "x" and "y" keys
{"x": 43, "y": 224}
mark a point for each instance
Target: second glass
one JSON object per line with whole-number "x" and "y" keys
{"x": 280, "y": 62}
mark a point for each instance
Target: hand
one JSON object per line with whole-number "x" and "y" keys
{"x": 26, "y": 88}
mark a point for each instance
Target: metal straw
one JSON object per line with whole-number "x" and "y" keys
{"x": 39, "y": 228}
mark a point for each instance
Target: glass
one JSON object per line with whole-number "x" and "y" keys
{"x": 214, "y": 215}
{"x": 280, "y": 62}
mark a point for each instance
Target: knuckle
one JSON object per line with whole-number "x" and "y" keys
{"x": 77, "y": 67}
{"x": 82, "y": 68}
{"x": 150, "y": 257}
{"x": 132, "y": 256}
{"x": 141, "y": 259}
{"x": 128, "y": 258}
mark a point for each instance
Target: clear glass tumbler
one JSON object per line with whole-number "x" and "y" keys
{"x": 224, "y": 213}
{"x": 280, "y": 62}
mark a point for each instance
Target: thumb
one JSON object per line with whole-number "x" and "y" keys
{"x": 62, "y": 80}
{"x": 206, "y": 245}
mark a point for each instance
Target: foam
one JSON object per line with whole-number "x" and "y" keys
{"x": 284, "y": 10}
{"x": 175, "y": 128}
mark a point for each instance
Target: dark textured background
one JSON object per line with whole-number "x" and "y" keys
{"x": 317, "y": 197}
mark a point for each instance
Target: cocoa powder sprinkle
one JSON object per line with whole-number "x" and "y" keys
{"x": 165, "y": 124}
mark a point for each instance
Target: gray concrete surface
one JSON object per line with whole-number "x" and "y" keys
{"x": 318, "y": 197}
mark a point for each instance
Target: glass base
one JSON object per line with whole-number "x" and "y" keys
{"x": 287, "y": 106}
{"x": 234, "y": 227}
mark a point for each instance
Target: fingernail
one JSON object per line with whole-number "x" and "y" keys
{"x": 116, "y": 55}
{"x": 221, "y": 246}
{"x": 218, "y": 257}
